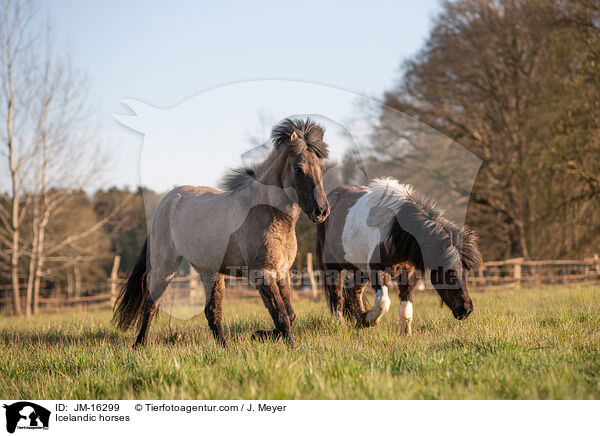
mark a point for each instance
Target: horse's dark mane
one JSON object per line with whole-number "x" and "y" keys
{"x": 237, "y": 178}
{"x": 417, "y": 212}
{"x": 310, "y": 137}
{"x": 471, "y": 256}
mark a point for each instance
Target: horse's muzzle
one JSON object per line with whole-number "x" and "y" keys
{"x": 319, "y": 214}
{"x": 462, "y": 313}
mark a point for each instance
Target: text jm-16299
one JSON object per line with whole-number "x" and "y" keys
{"x": 96, "y": 407}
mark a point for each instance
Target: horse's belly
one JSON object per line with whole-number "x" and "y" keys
{"x": 204, "y": 253}
{"x": 203, "y": 238}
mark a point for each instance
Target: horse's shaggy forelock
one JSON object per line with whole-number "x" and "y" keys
{"x": 310, "y": 137}
{"x": 418, "y": 211}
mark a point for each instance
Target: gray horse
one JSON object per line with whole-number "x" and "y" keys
{"x": 248, "y": 226}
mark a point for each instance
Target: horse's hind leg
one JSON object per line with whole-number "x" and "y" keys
{"x": 334, "y": 282}
{"x": 353, "y": 301}
{"x": 214, "y": 287}
{"x": 160, "y": 276}
{"x": 380, "y": 281}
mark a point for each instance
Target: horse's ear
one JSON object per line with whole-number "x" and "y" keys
{"x": 293, "y": 136}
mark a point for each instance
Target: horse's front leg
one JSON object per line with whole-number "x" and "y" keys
{"x": 380, "y": 281}
{"x": 285, "y": 288}
{"x": 267, "y": 286}
{"x": 406, "y": 285}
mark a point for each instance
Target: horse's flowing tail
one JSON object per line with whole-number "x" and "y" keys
{"x": 134, "y": 293}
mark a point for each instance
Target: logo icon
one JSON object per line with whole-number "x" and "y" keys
{"x": 26, "y": 415}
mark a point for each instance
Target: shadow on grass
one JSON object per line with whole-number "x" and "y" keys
{"x": 53, "y": 338}
{"x": 189, "y": 333}
{"x": 241, "y": 329}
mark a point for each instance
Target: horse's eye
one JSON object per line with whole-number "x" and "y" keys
{"x": 298, "y": 170}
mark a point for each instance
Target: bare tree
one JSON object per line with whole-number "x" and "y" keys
{"x": 49, "y": 151}
{"x": 17, "y": 95}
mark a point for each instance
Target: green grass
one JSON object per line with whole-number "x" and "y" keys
{"x": 527, "y": 344}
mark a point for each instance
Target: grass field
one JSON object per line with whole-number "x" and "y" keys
{"x": 527, "y": 344}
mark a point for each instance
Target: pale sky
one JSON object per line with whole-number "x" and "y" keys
{"x": 164, "y": 53}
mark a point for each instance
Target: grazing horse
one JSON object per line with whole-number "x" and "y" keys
{"x": 389, "y": 232}
{"x": 248, "y": 226}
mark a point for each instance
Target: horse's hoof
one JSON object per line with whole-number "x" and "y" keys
{"x": 220, "y": 338}
{"x": 263, "y": 335}
{"x": 260, "y": 335}
{"x": 362, "y": 322}
{"x": 338, "y": 317}
{"x": 405, "y": 329}
{"x": 290, "y": 341}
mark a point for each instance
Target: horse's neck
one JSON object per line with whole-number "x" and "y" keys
{"x": 270, "y": 171}
{"x": 266, "y": 189}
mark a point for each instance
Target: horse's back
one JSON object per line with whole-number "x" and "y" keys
{"x": 345, "y": 194}
{"x": 189, "y": 191}
{"x": 197, "y": 222}
{"x": 178, "y": 197}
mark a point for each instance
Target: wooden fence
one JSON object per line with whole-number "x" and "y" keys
{"x": 505, "y": 273}
{"x": 518, "y": 272}
{"x": 103, "y": 293}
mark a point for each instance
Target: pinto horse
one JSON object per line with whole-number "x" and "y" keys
{"x": 248, "y": 226}
{"x": 390, "y": 232}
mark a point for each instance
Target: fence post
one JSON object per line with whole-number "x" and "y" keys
{"x": 481, "y": 272}
{"x": 114, "y": 279}
{"x": 597, "y": 262}
{"x": 517, "y": 271}
{"x": 310, "y": 272}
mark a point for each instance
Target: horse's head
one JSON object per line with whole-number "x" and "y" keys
{"x": 457, "y": 254}
{"x": 421, "y": 234}
{"x": 304, "y": 167}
